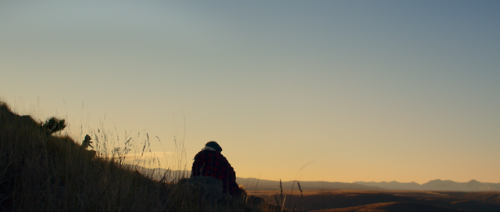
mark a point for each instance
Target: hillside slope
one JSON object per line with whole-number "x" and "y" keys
{"x": 39, "y": 171}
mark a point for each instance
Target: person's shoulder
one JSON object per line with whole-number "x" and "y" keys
{"x": 199, "y": 154}
{"x": 222, "y": 157}
{"x": 204, "y": 153}
{"x": 215, "y": 154}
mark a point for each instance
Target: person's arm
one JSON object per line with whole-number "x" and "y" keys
{"x": 232, "y": 186}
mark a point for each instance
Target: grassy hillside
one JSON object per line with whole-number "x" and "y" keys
{"x": 40, "y": 171}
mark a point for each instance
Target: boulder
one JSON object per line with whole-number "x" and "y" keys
{"x": 209, "y": 188}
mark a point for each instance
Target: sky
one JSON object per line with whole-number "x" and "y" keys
{"x": 338, "y": 91}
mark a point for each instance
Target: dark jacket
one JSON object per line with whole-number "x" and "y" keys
{"x": 214, "y": 164}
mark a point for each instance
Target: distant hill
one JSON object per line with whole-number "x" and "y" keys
{"x": 448, "y": 185}
{"x": 257, "y": 184}
{"x": 436, "y": 185}
{"x": 394, "y": 185}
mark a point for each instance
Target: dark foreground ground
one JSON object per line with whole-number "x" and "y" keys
{"x": 351, "y": 200}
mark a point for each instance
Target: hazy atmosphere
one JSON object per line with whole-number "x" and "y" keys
{"x": 295, "y": 90}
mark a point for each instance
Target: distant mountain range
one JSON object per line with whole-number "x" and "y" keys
{"x": 433, "y": 185}
{"x": 436, "y": 185}
{"x": 259, "y": 184}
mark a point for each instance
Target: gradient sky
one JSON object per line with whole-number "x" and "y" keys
{"x": 352, "y": 90}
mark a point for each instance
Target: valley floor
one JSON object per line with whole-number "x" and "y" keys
{"x": 353, "y": 200}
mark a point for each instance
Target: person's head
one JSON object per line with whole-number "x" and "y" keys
{"x": 214, "y": 145}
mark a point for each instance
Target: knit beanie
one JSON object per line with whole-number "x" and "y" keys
{"x": 214, "y": 145}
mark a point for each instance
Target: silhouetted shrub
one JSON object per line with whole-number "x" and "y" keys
{"x": 53, "y": 125}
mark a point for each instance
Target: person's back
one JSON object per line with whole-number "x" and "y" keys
{"x": 210, "y": 162}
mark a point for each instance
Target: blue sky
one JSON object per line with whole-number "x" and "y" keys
{"x": 368, "y": 90}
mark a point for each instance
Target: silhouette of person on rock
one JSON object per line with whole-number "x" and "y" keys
{"x": 87, "y": 142}
{"x": 210, "y": 162}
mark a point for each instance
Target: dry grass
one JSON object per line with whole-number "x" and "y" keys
{"x": 53, "y": 173}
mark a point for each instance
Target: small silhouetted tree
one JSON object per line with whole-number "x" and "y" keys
{"x": 53, "y": 125}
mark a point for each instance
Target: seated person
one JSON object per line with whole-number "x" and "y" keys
{"x": 210, "y": 162}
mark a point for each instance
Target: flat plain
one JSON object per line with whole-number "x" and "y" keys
{"x": 359, "y": 200}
